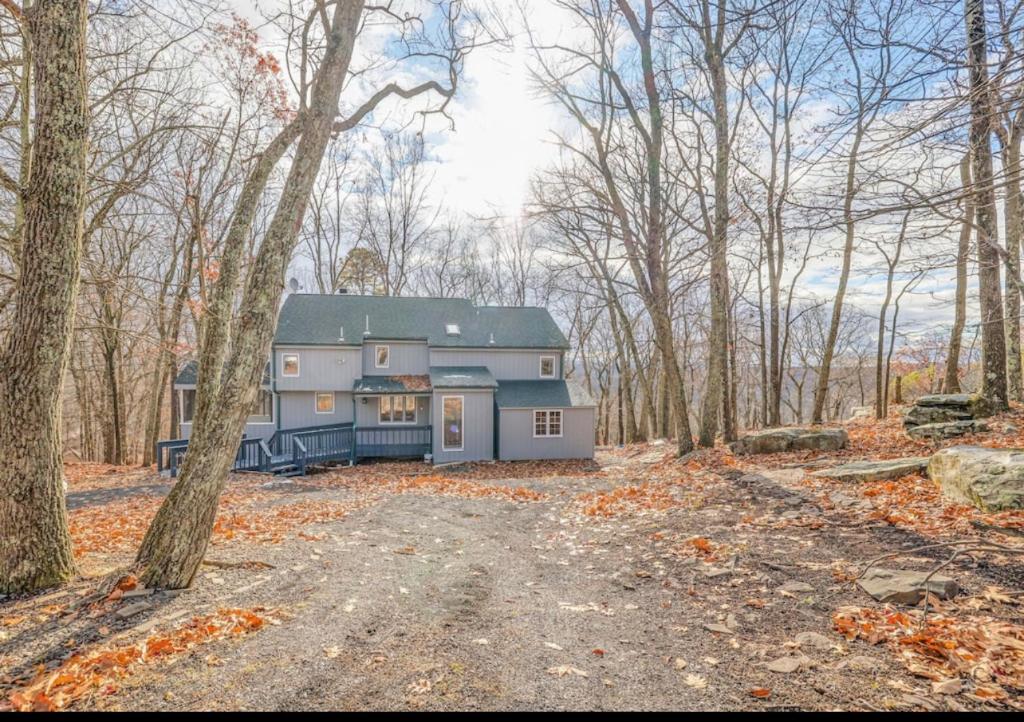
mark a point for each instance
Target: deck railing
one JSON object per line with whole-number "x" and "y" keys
{"x": 393, "y": 442}
{"x": 311, "y": 445}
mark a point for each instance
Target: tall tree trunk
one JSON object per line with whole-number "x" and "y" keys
{"x": 1013, "y": 242}
{"x": 176, "y": 541}
{"x": 825, "y": 370}
{"x": 952, "y": 381}
{"x": 993, "y": 336}
{"x": 716, "y": 396}
{"x": 35, "y": 546}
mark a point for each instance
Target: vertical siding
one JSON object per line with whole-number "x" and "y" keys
{"x": 252, "y": 431}
{"x": 405, "y": 358}
{"x": 298, "y": 410}
{"x": 503, "y": 365}
{"x": 368, "y": 415}
{"x": 477, "y": 427}
{"x": 320, "y": 369}
{"x": 516, "y": 441}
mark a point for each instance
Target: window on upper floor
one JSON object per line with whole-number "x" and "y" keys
{"x": 547, "y": 423}
{"x": 290, "y": 364}
{"x": 547, "y": 367}
{"x": 382, "y": 357}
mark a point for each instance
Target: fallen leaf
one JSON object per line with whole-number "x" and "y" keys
{"x": 332, "y": 652}
{"x": 565, "y": 670}
{"x": 696, "y": 681}
{"x": 761, "y": 692}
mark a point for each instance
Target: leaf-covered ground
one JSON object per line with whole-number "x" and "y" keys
{"x": 640, "y": 581}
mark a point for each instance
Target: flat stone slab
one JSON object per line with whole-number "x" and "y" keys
{"x": 772, "y": 441}
{"x": 946, "y": 429}
{"x": 867, "y": 471}
{"x": 990, "y": 479}
{"x": 939, "y": 408}
{"x": 906, "y": 587}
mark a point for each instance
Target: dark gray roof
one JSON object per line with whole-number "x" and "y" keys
{"x": 392, "y": 384}
{"x": 461, "y": 377}
{"x": 188, "y": 373}
{"x": 552, "y": 393}
{"x": 317, "y": 320}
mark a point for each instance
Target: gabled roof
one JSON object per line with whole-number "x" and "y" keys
{"x": 407, "y": 384}
{"x": 461, "y": 377}
{"x": 189, "y": 372}
{"x": 551, "y": 393}
{"x": 317, "y": 320}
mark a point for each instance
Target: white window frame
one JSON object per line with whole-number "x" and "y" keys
{"x": 376, "y": 356}
{"x": 547, "y": 423}
{"x": 554, "y": 367}
{"x": 403, "y": 422}
{"x": 316, "y": 405}
{"x": 462, "y": 423}
{"x": 298, "y": 366}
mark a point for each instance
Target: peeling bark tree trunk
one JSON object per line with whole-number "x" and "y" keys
{"x": 35, "y": 547}
{"x": 952, "y": 381}
{"x": 993, "y": 333}
{"x": 176, "y": 541}
{"x": 1013, "y": 241}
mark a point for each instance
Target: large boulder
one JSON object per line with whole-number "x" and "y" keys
{"x": 867, "y": 471}
{"x": 771, "y": 441}
{"x": 906, "y": 587}
{"x": 940, "y": 408}
{"x": 946, "y": 430}
{"x": 990, "y": 479}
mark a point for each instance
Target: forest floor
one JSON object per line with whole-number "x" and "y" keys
{"x": 639, "y": 581}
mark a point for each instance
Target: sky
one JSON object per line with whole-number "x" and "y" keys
{"x": 503, "y": 132}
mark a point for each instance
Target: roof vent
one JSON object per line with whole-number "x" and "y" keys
{"x": 341, "y": 334}
{"x": 491, "y": 342}
{"x": 452, "y": 329}
{"x": 367, "y": 331}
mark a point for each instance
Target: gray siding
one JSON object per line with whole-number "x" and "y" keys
{"x": 368, "y": 415}
{"x": 503, "y": 365}
{"x": 516, "y": 440}
{"x": 405, "y": 358}
{"x": 252, "y": 431}
{"x": 320, "y": 369}
{"x": 477, "y": 427}
{"x": 298, "y": 410}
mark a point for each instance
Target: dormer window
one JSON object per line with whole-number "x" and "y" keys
{"x": 547, "y": 367}
{"x": 382, "y": 357}
{"x": 452, "y": 329}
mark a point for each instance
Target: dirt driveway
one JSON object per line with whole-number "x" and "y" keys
{"x": 600, "y": 591}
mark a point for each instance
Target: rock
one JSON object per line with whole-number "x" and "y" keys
{"x": 859, "y": 663}
{"x": 796, "y": 587}
{"x": 858, "y": 413}
{"x": 946, "y": 429}
{"x": 718, "y": 628}
{"x": 939, "y": 408}
{"x": 813, "y": 640}
{"x": 866, "y": 471}
{"x": 788, "y": 665}
{"x": 905, "y": 587}
{"x": 771, "y": 441}
{"x": 132, "y": 609}
{"x": 990, "y": 479}
{"x": 137, "y": 592}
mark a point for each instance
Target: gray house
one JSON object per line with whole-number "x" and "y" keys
{"x": 410, "y": 377}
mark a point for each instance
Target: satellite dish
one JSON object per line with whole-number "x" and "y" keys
{"x": 293, "y": 283}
